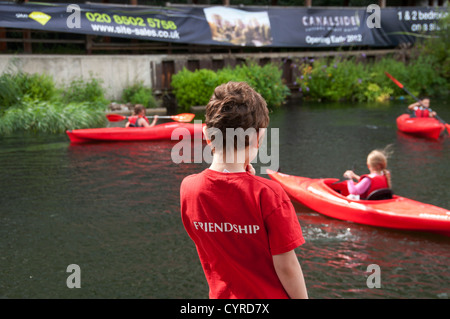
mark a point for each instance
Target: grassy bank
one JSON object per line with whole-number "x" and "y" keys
{"x": 355, "y": 79}
{"x": 33, "y": 102}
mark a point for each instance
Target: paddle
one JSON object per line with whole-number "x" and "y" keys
{"x": 183, "y": 117}
{"x": 447, "y": 126}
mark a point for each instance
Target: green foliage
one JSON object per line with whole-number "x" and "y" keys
{"x": 338, "y": 80}
{"x": 10, "y": 92}
{"x": 196, "y": 88}
{"x": 350, "y": 80}
{"x": 32, "y": 102}
{"x": 79, "y": 91}
{"x": 437, "y": 47}
{"x": 266, "y": 80}
{"x": 35, "y": 86}
{"x": 139, "y": 94}
{"x": 19, "y": 87}
{"x": 50, "y": 117}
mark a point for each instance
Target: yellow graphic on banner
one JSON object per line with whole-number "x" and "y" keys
{"x": 40, "y": 17}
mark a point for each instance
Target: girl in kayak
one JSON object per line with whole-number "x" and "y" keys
{"x": 422, "y": 108}
{"x": 378, "y": 178}
{"x": 138, "y": 119}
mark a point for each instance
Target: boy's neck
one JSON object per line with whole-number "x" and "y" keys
{"x": 220, "y": 164}
{"x": 225, "y": 167}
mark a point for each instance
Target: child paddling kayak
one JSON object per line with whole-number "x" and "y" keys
{"x": 378, "y": 178}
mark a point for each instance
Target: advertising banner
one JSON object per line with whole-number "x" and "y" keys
{"x": 226, "y": 26}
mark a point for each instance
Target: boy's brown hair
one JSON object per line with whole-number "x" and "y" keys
{"x": 236, "y": 105}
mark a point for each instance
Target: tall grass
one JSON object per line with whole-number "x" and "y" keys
{"x": 32, "y": 102}
{"x": 50, "y": 117}
{"x": 9, "y": 92}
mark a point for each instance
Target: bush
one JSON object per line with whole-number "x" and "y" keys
{"x": 84, "y": 91}
{"x": 36, "y": 86}
{"x": 266, "y": 80}
{"x": 19, "y": 87}
{"x": 349, "y": 80}
{"x": 138, "y": 94}
{"x": 196, "y": 88}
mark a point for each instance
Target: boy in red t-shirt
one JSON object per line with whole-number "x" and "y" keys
{"x": 244, "y": 227}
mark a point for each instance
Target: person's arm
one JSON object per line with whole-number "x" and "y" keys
{"x": 412, "y": 106}
{"x": 351, "y": 175}
{"x": 154, "y": 120}
{"x": 359, "y": 188}
{"x": 290, "y": 273}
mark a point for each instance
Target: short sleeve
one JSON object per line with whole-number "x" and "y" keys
{"x": 283, "y": 229}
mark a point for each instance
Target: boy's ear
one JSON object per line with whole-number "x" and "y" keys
{"x": 206, "y": 136}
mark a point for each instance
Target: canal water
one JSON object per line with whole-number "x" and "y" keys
{"x": 113, "y": 210}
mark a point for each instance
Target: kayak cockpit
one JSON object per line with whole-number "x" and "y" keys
{"x": 340, "y": 187}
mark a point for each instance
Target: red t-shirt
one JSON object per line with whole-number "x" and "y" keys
{"x": 237, "y": 222}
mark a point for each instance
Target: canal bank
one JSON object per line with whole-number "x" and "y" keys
{"x": 155, "y": 71}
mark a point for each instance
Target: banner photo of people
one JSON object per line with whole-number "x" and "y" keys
{"x": 239, "y": 27}
{"x": 225, "y": 26}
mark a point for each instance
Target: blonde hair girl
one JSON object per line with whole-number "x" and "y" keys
{"x": 379, "y": 176}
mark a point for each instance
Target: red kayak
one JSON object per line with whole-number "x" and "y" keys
{"x": 322, "y": 195}
{"x": 157, "y": 132}
{"x": 428, "y": 127}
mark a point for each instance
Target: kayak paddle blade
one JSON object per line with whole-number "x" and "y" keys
{"x": 115, "y": 117}
{"x": 394, "y": 80}
{"x": 183, "y": 117}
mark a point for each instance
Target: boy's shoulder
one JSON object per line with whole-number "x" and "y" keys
{"x": 188, "y": 180}
{"x": 265, "y": 182}
{"x": 259, "y": 182}
{"x": 271, "y": 186}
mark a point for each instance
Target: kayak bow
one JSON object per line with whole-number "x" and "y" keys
{"x": 114, "y": 134}
{"x": 427, "y": 127}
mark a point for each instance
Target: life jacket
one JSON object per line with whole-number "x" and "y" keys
{"x": 422, "y": 111}
{"x": 134, "y": 120}
{"x": 376, "y": 182}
